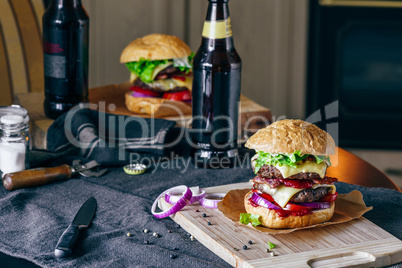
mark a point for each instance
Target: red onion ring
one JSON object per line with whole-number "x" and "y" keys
{"x": 181, "y": 203}
{"x": 173, "y": 196}
{"x": 211, "y": 200}
{"x": 263, "y": 202}
{"x": 316, "y": 204}
{"x": 141, "y": 95}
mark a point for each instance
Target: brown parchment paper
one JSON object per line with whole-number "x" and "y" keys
{"x": 347, "y": 207}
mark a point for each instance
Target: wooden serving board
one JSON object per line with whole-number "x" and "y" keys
{"x": 358, "y": 243}
{"x": 110, "y": 99}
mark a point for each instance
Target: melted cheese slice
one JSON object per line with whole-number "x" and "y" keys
{"x": 155, "y": 72}
{"x": 160, "y": 68}
{"x": 308, "y": 166}
{"x": 283, "y": 194}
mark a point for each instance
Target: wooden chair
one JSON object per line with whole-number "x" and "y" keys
{"x": 352, "y": 169}
{"x": 21, "y": 54}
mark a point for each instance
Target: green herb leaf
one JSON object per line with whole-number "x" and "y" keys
{"x": 246, "y": 218}
{"x": 271, "y": 245}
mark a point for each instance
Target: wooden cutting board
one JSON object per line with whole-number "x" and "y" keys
{"x": 110, "y": 98}
{"x": 358, "y": 243}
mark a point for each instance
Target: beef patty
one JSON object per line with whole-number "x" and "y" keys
{"x": 304, "y": 196}
{"x": 271, "y": 172}
{"x": 170, "y": 70}
{"x": 139, "y": 83}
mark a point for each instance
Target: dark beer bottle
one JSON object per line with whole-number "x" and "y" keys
{"x": 65, "y": 45}
{"x": 216, "y": 91}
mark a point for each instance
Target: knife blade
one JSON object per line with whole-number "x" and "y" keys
{"x": 81, "y": 221}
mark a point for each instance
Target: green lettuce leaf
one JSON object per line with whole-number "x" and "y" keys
{"x": 246, "y": 218}
{"x": 284, "y": 159}
{"x": 321, "y": 158}
{"x": 184, "y": 64}
{"x": 144, "y": 68}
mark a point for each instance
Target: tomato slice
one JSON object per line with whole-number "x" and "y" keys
{"x": 145, "y": 91}
{"x": 265, "y": 196}
{"x": 181, "y": 78}
{"x": 329, "y": 197}
{"x": 294, "y": 207}
{"x": 289, "y": 207}
{"x": 178, "y": 96}
{"x": 300, "y": 184}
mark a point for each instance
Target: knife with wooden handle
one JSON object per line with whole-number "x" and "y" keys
{"x": 41, "y": 176}
{"x": 36, "y": 177}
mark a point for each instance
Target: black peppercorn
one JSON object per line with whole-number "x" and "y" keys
{"x": 172, "y": 256}
{"x": 204, "y": 215}
{"x": 244, "y": 247}
{"x": 209, "y": 223}
{"x": 250, "y": 242}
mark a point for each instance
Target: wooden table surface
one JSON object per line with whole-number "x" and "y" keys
{"x": 347, "y": 167}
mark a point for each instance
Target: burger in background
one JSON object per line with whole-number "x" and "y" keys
{"x": 290, "y": 189}
{"x": 161, "y": 73}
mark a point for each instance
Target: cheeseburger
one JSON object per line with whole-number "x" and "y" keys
{"x": 160, "y": 67}
{"x": 290, "y": 189}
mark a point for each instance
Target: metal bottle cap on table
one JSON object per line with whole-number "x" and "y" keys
{"x": 135, "y": 169}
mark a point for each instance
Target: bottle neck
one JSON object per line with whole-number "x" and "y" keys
{"x": 217, "y": 29}
{"x": 217, "y": 11}
{"x": 65, "y": 3}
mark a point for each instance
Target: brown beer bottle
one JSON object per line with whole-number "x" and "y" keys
{"x": 65, "y": 45}
{"x": 216, "y": 91}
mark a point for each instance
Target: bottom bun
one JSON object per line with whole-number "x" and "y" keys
{"x": 156, "y": 106}
{"x": 271, "y": 219}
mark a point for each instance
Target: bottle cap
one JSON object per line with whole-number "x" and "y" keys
{"x": 11, "y": 119}
{"x": 135, "y": 169}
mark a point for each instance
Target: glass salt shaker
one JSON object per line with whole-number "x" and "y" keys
{"x": 14, "y": 139}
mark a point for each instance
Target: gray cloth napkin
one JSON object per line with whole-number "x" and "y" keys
{"x": 107, "y": 138}
{"x": 32, "y": 220}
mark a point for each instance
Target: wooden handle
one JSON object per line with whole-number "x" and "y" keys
{"x": 36, "y": 177}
